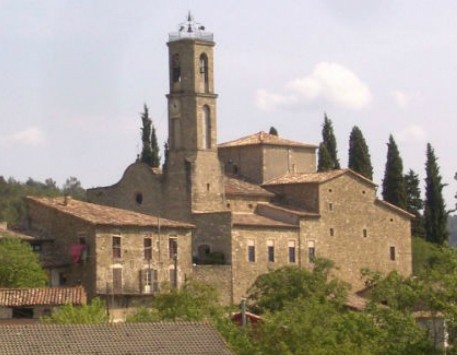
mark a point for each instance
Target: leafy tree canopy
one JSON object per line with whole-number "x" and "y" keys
{"x": 19, "y": 265}
{"x": 93, "y": 313}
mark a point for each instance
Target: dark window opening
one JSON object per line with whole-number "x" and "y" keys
{"x": 176, "y": 68}
{"x": 271, "y": 254}
{"x": 203, "y": 251}
{"x": 117, "y": 280}
{"x": 188, "y": 170}
{"x": 173, "y": 247}
{"x": 204, "y": 72}
{"x": 173, "y": 278}
{"x": 147, "y": 243}
{"x": 251, "y": 253}
{"x": 311, "y": 254}
{"x": 62, "y": 278}
{"x": 22, "y": 312}
{"x": 332, "y": 232}
{"x": 36, "y": 247}
{"x": 365, "y": 233}
{"x": 291, "y": 253}
{"x": 393, "y": 255}
{"x": 330, "y": 206}
{"x": 117, "y": 247}
{"x": 207, "y": 187}
{"x": 235, "y": 169}
{"x": 139, "y": 198}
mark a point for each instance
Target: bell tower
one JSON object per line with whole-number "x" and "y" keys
{"x": 193, "y": 173}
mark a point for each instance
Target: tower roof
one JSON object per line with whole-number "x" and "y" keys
{"x": 190, "y": 29}
{"x": 264, "y": 138}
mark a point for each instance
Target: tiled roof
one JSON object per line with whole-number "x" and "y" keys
{"x": 104, "y": 215}
{"x": 255, "y": 220}
{"x": 50, "y": 296}
{"x": 319, "y": 177}
{"x": 287, "y": 209}
{"x": 180, "y": 338}
{"x": 235, "y": 186}
{"x": 394, "y": 208}
{"x": 264, "y": 138}
{"x": 8, "y": 233}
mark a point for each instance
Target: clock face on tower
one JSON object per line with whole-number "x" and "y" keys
{"x": 175, "y": 107}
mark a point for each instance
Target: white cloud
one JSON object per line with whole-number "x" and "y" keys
{"x": 32, "y": 136}
{"x": 329, "y": 83}
{"x": 403, "y": 98}
{"x": 412, "y": 133}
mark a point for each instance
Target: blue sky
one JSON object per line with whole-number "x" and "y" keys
{"x": 74, "y": 76}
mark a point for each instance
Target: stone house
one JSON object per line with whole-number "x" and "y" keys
{"x": 237, "y": 209}
{"x": 117, "y": 254}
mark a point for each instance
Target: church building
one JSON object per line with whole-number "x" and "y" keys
{"x": 219, "y": 213}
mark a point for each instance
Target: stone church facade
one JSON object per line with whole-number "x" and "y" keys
{"x": 256, "y": 203}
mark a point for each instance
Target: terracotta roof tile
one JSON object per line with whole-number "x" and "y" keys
{"x": 180, "y": 338}
{"x": 287, "y": 209}
{"x": 50, "y": 296}
{"x": 264, "y": 138}
{"x": 318, "y": 177}
{"x": 251, "y": 219}
{"x": 104, "y": 215}
{"x": 236, "y": 186}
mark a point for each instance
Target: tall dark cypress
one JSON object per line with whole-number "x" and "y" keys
{"x": 328, "y": 138}
{"x": 150, "y": 151}
{"x": 359, "y": 156}
{"x": 273, "y": 131}
{"x": 393, "y": 185}
{"x": 435, "y": 215}
{"x": 324, "y": 160}
{"x": 414, "y": 203}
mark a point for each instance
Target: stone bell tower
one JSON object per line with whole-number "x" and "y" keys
{"x": 193, "y": 176}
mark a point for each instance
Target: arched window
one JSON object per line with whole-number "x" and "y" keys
{"x": 204, "y": 80}
{"x": 206, "y": 128}
{"x": 175, "y": 68}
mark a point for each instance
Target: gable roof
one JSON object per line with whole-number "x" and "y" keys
{"x": 264, "y": 138}
{"x": 165, "y": 338}
{"x": 49, "y": 296}
{"x": 394, "y": 208}
{"x": 239, "y": 187}
{"x": 317, "y": 178}
{"x": 103, "y": 215}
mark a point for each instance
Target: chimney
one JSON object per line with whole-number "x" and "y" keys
{"x": 66, "y": 200}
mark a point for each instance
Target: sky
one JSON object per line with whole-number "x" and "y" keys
{"x": 74, "y": 76}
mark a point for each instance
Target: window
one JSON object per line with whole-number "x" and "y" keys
{"x": 147, "y": 243}
{"x": 36, "y": 247}
{"x": 206, "y": 128}
{"x": 150, "y": 281}
{"x": 393, "y": 255}
{"x": 176, "y": 68}
{"x": 117, "y": 247}
{"x": 332, "y": 232}
{"x": 203, "y": 251}
{"x": 271, "y": 251}
{"x": 117, "y": 280}
{"x": 311, "y": 251}
{"x": 173, "y": 247}
{"x": 251, "y": 251}
{"x": 139, "y": 198}
{"x": 204, "y": 73}
{"x": 330, "y": 206}
{"x": 291, "y": 251}
{"x": 365, "y": 233}
{"x": 176, "y": 127}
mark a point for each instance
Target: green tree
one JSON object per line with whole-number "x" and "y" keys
{"x": 270, "y": 292}
{"x": 435, "y": 215}
{"x": 329, "y": 140}
{"x": 393, "y": 185}
{"x": 273, "y": 131}
{"x": 414, "y": 203}
{"x": 359, "y": 156}
{"x": 150, "y": 151}
{"x": 93, "y": 313}
{"x": 19, "y": 265}
{"x": 324, "y": 160}
{"x": 73, "y": 188}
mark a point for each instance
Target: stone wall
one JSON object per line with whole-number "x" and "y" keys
{"x": 219, "y": 276}
{"x": 304, "y": 196}
{"x": 245, "y": 161}
{"x": 139, "y": 190}
{"x": 245, "y": 272}
{"x": 279, "y": 160}
{"x": 357, "y": 232}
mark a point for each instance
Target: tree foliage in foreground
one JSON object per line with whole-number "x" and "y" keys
{"x": 435, "y": 215}
{"x": 93, "y": 313}
{"x": 19, "y": 265}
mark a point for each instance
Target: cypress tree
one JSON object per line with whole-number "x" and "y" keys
{"x": 393, "y": 185}
{"x": 359, "y": 156}
{"x": 324, "y": 161}
{"x": 414, "y": 203}
{"x": 150, "y": 151}
{"x": 273, "y": 131}
{"x": 328, "y": 138}
{"x": 435, "y": 215}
